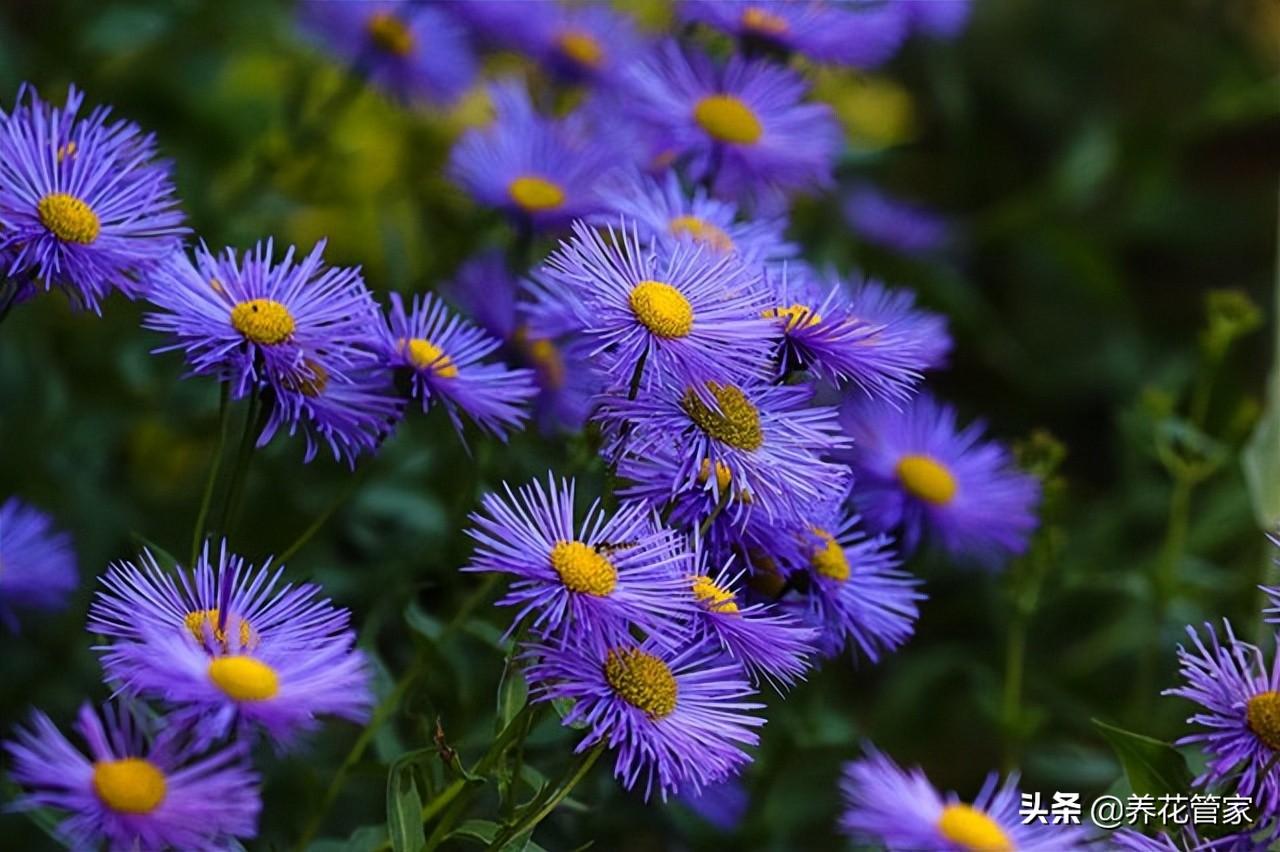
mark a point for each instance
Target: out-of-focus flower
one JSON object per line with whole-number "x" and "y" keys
{"x": 892, "y": 223}
{"x": 596, "y": 577}
{"x": 723, "y": 805}
{"x": 744, "y": 129}
{"x": 445, "y": 357}
{"x": 37, "y": 564}
{"x": 903, "y": 811}
{"x": 229, "y": 648}
{"x": 84, "y": 204}
{"x": 132, "y": 791}
{"x": 895, "y": 308}
{"x": 919, "y": 472}
{"x": 678, "y": 718}
{"x": 936, "y": 18}
{"x": 412, "y": 50}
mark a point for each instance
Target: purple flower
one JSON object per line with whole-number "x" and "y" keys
{"x": 412, "y": 50}
{"x": 445, "y": 358}
{"x": 678, "y": 718}
{"x": 722, "y": 805}
{"x": 744, "y": 129}
{"x": 917, "y": 470}
{"x": 132, "y": 791}
{"x": 936, "y": 18}
{"x": 922, "y": 331}
{"x": 37, "y": 564}
{"x": 595, "y": 577}
{"x": 229, "y": 648}
{"x": 1187, "y": 839}
{"x": 84, "y": 204}
{"x": 895, "y": 224}
{"x": 902, "y": 811}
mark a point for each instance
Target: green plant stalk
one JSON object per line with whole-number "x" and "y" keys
{"x": 206, "y": 499}
{"x": 235, "y": 491}
{"x": 353, "y": 483}
{"x": 529, "y": 823}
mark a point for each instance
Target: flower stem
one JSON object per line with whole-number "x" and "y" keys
{"x": 206, "y": 499}
{"x": 530, "y": 822}
{"x": 353, "y": 483}
{"x": 235, "y": 491}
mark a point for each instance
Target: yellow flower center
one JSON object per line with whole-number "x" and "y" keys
{"x": 196, "y": 622}
{"x": 796, "y": 316}
{"x": 535, "y": 194}
{"x": 829, "y": 559}
{"x": 701, "y": 231}
{"x": 926, "y": 478}
{"x": 68, "y": 218}
{"x": 736, "y": 423}
{"x": 426, "y": 356}
{"x": 727, "y": 119}
{"x": 971, "y": 829}
{"x": 67, "y": 150}
{"x": 244, "y": 678}
{"x": 312, "y": 381}
{"x": 662, "y": 309}
{"x": 130, "y": 785}
{"x": 389, "y": 34}
{"x": 582, "y": 48}
{"x": 264, "y": 321}
{"x": 765, "y": 578}
{"x": 583, "y": 569}
{"x": 764, "y": 22}
{"x": 712, "y": 596}
{"x": 1263, "y": 715}
{"x": 642, "y": 680}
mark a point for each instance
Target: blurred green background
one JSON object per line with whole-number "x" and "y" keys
{"x": 1108, "y": 165}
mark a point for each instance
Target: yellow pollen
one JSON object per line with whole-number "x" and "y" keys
{"x": 1263, "y": 715}
{"x": 662, "y": 309}
{"x": 711, "y": 596}
{"x": 535, "y": 194}
{"x": 972, "y": 830}
{"x": 797, "y": 316}
{"x": 542, "y": 354}
{"x": 724, "y": 475}
{"x": 195, "y": 623}
{"x": 244, "y": 678}
{"x": 701, "y": 231}
{"x": 728, "y": 119}
{"x": 130, "y": 785}
{"x": 67, "y": 150}
{"x": 68, "y": 218}
{"x": 263, "y": 321}
{"x": 642, "y": 680}
{"x": 216, "y": 286}
{"x": 829, "y": 559}
{"x": 426, "y": 356}
{"x": 926, "y": 478}
{"x": 764, "y": 22}
{"x": 389, "y": 34}
{"x": 736, "y": 423}
{"x": 583, "y": 569}
{"x": 582, "y": 48}
{"x": 312, "y": 381}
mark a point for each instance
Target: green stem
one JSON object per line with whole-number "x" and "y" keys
{"x": 529, "y": 823}
{"x": 1011, "y": 706}
{"x": 248, "y": 440}
{"x": 715, "y": 513}
{"x": 353, "y": 483}
{"x": 206, "y": 499}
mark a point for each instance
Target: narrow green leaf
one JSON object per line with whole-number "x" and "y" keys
{"x": 1152, "y": 766}
{"x": 513, "y": 692}
{"x": 428, "y": 625}
{"x": 404, "y": 809}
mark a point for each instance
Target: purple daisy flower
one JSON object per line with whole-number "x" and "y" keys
{"x": 659, "y": 314}
{"x": 37, "y": 564}
{"x": 595, "y": 577}
{"x": 936, "y": 18}
{"x": 901, "y": 810}
{"x": 131, "y": 790}
{"x": 922, "y": 331}
{"x": 722, "y": 805}
{"x": 445, "y": 358}
{"x": 917, "y": 470}
{"x": 856, "y": 591}
{"x": 861, "y": 34}
{"x": 230, "y": 648}
{"x": 1239, "y": 695}
{"x": 894, "y": 224}
{"x": 84, "y": 204}
{"x": 410, "y": 49}
{"x": 540, "y": 171}
{"x": 678, "y": 718}
{"x": 744, "y": 130}
{"x": 660, "y": 209}
{"x": 577, "y": 43}
{"x": 1187, "y": 839}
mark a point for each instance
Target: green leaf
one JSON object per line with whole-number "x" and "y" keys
{"x": 485, "y": 831}
{"x": 404, "y": 809}
{"x": 513, "y": 693}
{"x": 369, "y": 838}
{"x": 428, "y": 625}
{"x": 165, "y": 559}
{"x": 1261, "y": 462}
{"x": 1152, "y": 766}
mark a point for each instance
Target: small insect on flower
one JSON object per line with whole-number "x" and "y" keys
{"x": 600, "y": 576}
{"x": 84, "y": 204}
{"x": 133, "y": 790}
{"x": 902, "y": 811}
{"x": 678, "y": 718}
{"x": 919, "y": 472}
{"x": 412, "y": 50}
{"x": 229, "y": 648}
{"x": 1239, "y": 709}
{"x": 445, "y": 358}
{"x": 37, "y": 564}
{"x": 744, "y": 129}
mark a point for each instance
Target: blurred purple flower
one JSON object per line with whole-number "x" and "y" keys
{"x": 37, "y": 564}
{"x": 892, "y": 223}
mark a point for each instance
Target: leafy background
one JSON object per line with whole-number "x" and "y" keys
{"x": 1107, "y": 164}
